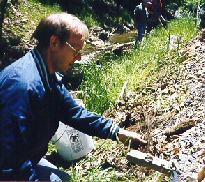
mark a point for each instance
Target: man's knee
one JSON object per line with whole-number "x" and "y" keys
{"x": 48, "y": 172}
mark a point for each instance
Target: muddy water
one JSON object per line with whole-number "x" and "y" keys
{"x": 114, "y": 39}
{"x": 123, "y": 38}
{"x": 88, "y": 49}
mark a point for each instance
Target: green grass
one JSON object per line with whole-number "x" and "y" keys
{"x": 103, "y": 84}
{"x": 29, "y": 14}
{"x": 89, "y": 18}
{"x": 25, "y": 17}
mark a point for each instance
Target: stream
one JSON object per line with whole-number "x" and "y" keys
{"x": 96, "y": 46}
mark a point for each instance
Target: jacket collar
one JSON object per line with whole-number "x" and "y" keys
{"x": 42, "y": 68}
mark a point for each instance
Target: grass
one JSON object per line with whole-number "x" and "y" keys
{"x": 89, "y": 18}
{"x": 102, "y": 84}
{"x": 24, "y": 18}
{"x": 93, "y": 167}
{"x": 23, "y": 21}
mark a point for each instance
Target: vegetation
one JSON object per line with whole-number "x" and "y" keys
{"x": 91, "y": 12}
{"x": 139, "y": 67}
{"x": 103, "y": 83}
{"x": 186, "y": 2}
{"x": 2, "y": 13}
{"x": 29, "y": 20}
{"x": 195, "y": 2}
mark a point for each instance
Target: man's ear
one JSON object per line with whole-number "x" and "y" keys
{"x": 54, "y": 42}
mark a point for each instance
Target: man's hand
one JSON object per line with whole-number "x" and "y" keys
{"x": 124, "y": 136}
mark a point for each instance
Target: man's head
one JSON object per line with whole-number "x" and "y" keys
{"x": 60, "y": 36}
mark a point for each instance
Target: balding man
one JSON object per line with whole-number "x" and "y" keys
{"x": 33, "y": 100}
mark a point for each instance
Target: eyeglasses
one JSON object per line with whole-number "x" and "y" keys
{"x": 76, "y": 52}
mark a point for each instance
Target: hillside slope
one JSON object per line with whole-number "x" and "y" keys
{"x": 174, "y": 122}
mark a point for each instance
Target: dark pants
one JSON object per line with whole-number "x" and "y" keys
{"x": 141, "y": 27}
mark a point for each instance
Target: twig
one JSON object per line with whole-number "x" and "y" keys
{"x": 123, "y": 92}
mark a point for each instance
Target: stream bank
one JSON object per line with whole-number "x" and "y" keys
{"x": 173, "y": 123}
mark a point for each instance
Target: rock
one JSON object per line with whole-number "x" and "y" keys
{"x": 147, "y": 160}
{"x": 118, "y": 51}
{"x": 174, "y": 42}
{"x": 121, "y": 29}
{"x": 104, "y": 36}
{"x": 201, "y": 174}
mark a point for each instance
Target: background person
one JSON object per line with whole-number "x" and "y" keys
{"x": 140, "y": 19}
{"x": 33, "y": 100}
{"x": 155, "y": 16}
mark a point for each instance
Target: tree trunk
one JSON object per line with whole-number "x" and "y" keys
{"x": 3, "y": 4}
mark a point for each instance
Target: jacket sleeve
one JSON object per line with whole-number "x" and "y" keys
{"x": 85, "y": 121}
{"x": 14, "y": 103}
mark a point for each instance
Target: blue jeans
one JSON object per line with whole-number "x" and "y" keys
{"x": 48, "y": 172}
{"x": 141, "y": 27}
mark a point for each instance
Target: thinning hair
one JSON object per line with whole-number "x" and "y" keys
{"x": 61, "y": 25}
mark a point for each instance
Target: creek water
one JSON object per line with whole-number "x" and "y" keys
{"x": 123, "y": 38}
{"x": 113, "y": 40}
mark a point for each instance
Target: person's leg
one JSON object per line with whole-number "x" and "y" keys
{"x": 49, "y": 172}
{"x": 141, "y": 32}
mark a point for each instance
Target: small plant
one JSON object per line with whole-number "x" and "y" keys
{"x": 194, "y": 2}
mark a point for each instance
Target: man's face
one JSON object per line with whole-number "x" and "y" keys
{"x": 66, "y": 54}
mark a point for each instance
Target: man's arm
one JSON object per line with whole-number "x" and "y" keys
{"x": 92, "y": 124}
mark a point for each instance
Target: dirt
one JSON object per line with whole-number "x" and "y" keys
{"x": 174, "y": 123}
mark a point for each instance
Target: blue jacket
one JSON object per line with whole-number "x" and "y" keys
{"x": 32, "y": 102}
{"x": 140, "y": 14}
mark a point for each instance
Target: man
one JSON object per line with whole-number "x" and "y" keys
{"x": 33, "y": 100}
{"x": 202, "y": 16}
{"x": 155, "y": 17}
{"x": 140, "y": 18}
